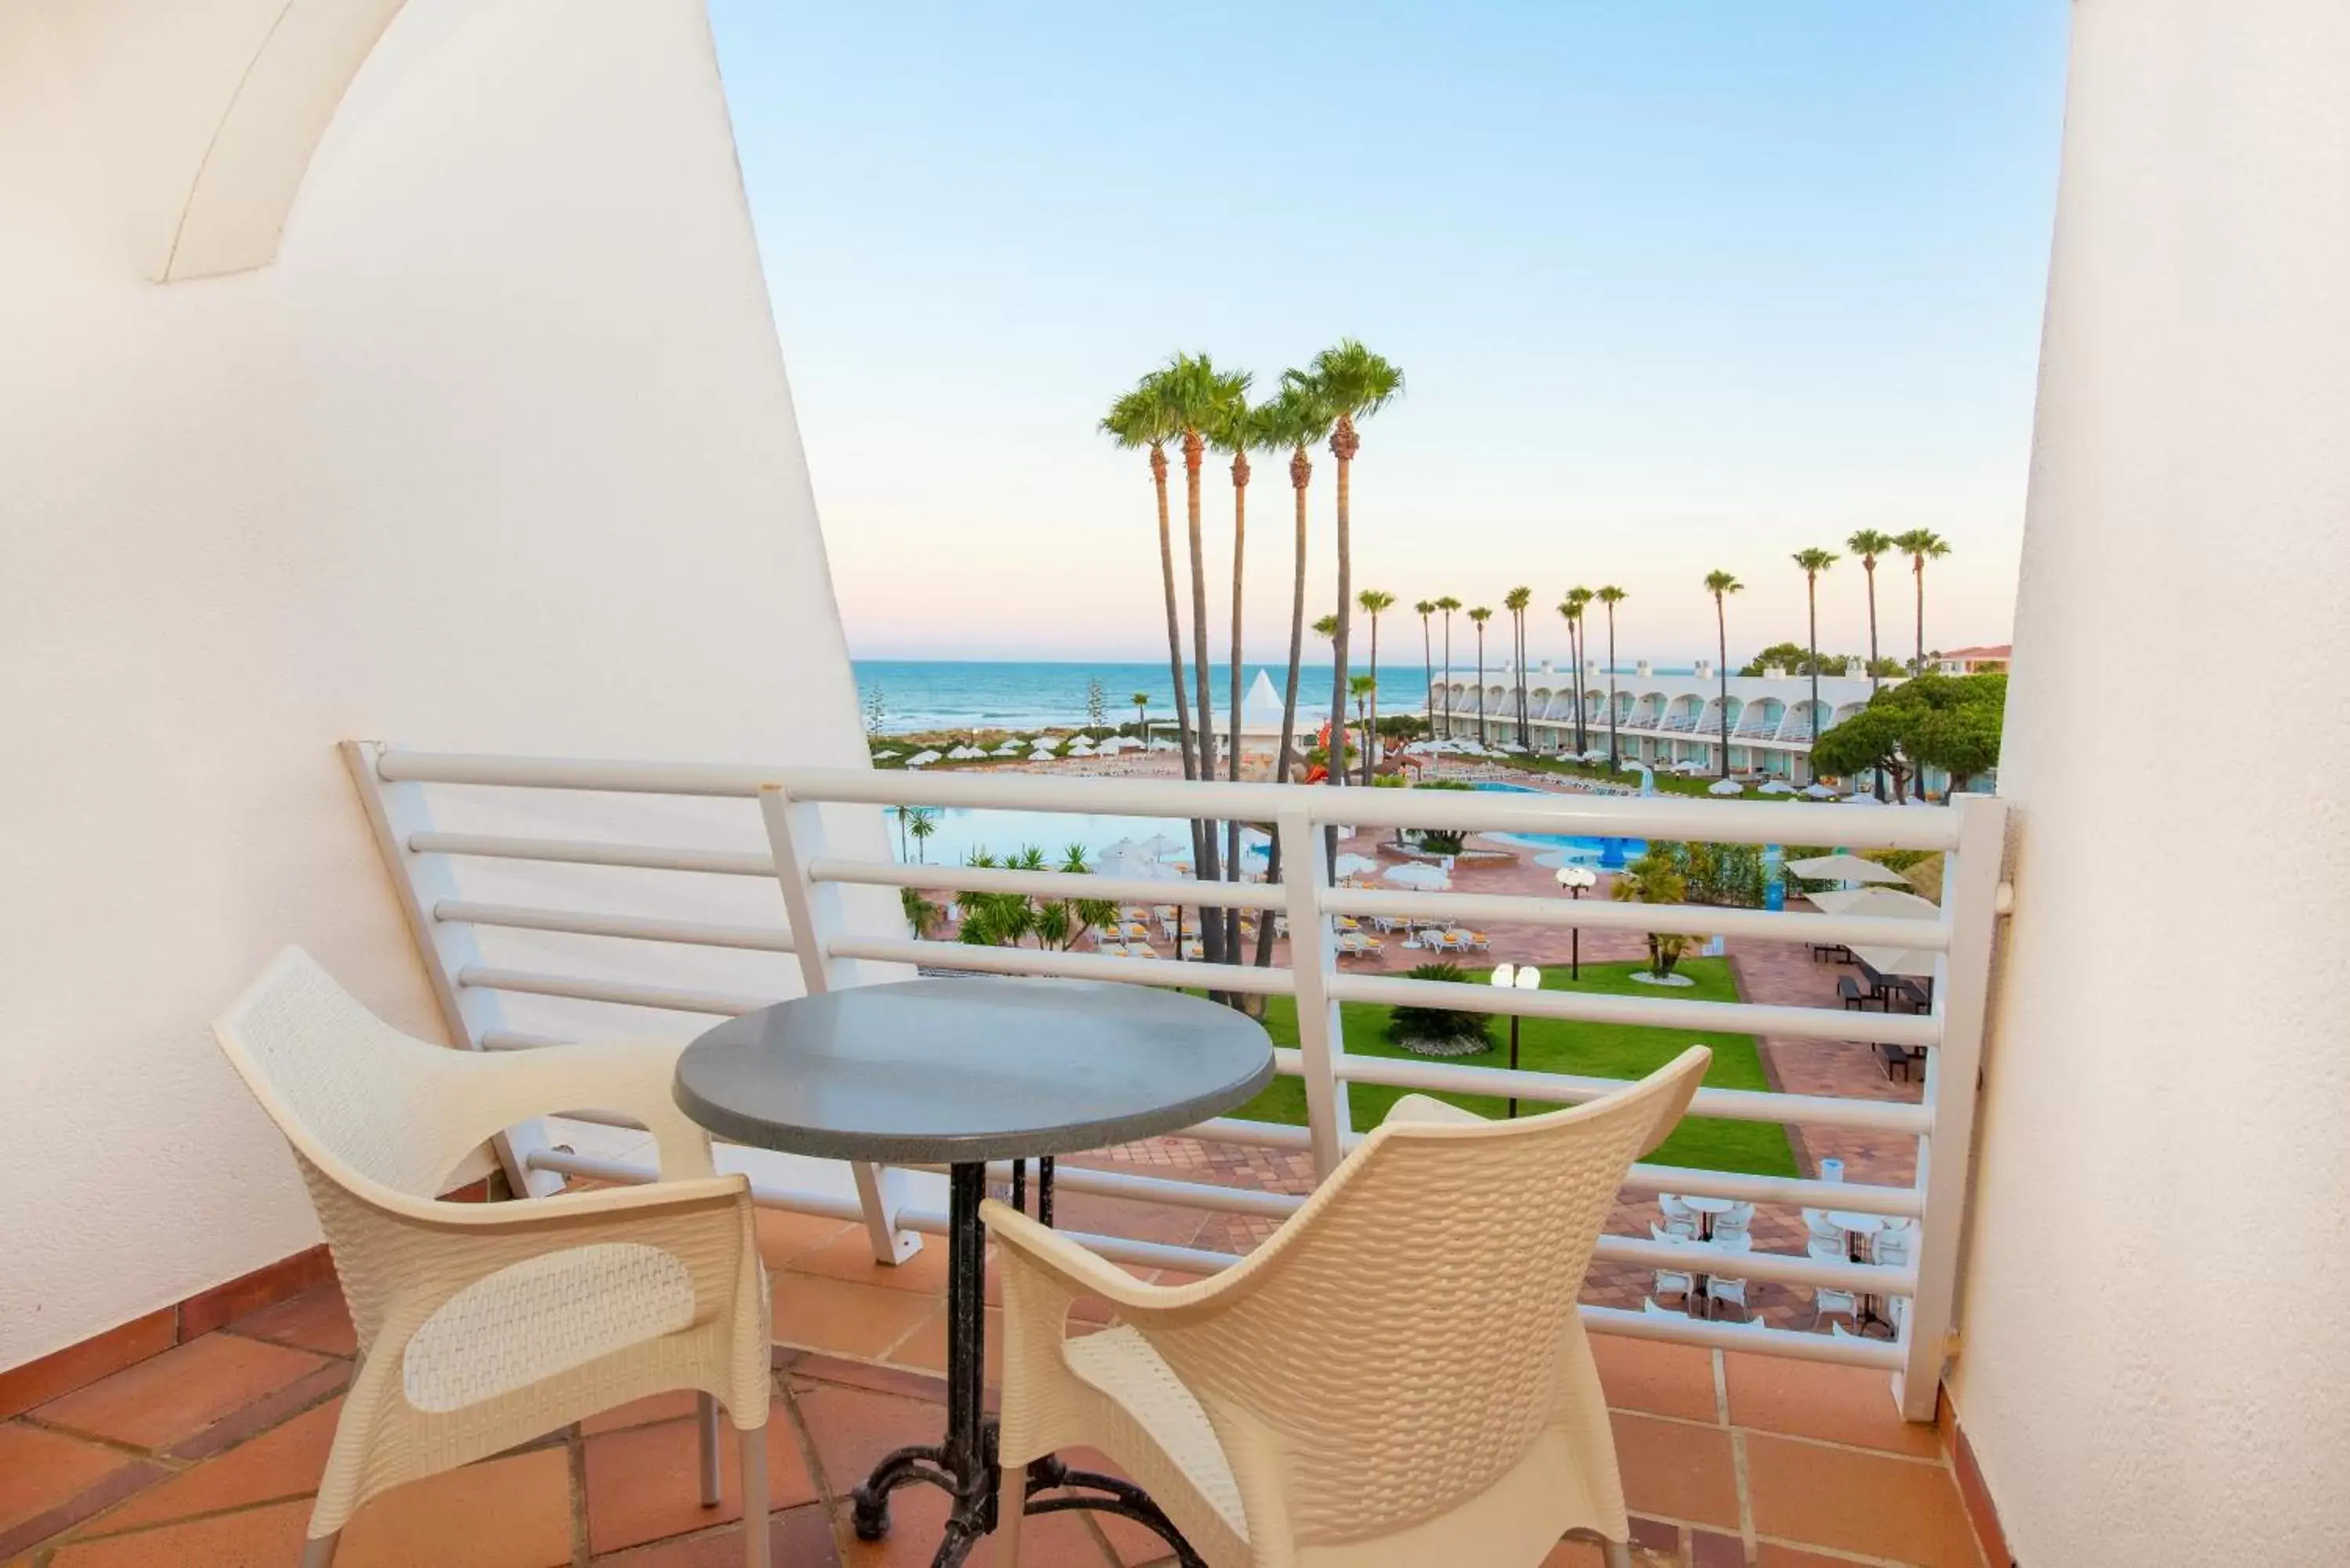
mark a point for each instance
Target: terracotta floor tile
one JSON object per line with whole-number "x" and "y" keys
{"x": 315, "y": 1320}
{"x": 644, "y": 1484}
{"x": 1649, "y": 1375}
{"x": 1837, "y": 1404}
{"x": 1855, "y": 1502}
{"x": 918, "y": 1514}
{"x": 501, "y": 1513}
{"x": 673, "y": 1405}
{"x": 181, "y": 1392}
{"x": 283, "y": 1463}
{"x": 850, "y": 1256}
{"x": 926, "y": 1347}
{"x": 1770, "y": 1554}
{"x": 797, "y": 1538}
{"x": 256, "y": 1538}
{"x": 1676, "y": 1471}
{"x": 845, "y": 1319}
{"x": 784, "y": 1234}
{"x": 852, "y": 1428}
{"x": 41, "y": 1471}
{"x": 1712, "y": 1549}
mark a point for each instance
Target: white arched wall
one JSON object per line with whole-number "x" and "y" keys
{"x": 2154, "y": 1356}
{"x": 497, "y": 454}
{"x": 204, "y": 114}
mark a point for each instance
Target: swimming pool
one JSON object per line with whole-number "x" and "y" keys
{"x": 1605, "y": 854}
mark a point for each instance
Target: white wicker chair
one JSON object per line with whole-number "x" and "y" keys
{"x": 483, "y": 1325}
{"x": 1398, "y": 1376}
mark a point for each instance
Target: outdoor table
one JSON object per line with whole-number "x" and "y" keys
{"x": 1856, "y": 1227}
{"x": 1706, "y": 1209}
{"x": 962, "y": 1072}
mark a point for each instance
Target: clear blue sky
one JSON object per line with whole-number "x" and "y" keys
{"x": 1674, "y": 287}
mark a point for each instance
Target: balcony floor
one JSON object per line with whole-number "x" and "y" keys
{"x": 204, "y": 1457}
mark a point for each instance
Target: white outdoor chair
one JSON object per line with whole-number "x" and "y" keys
{"x": 1890, "y": 1246}
{"x": 1719, "y": 1288}
{"x": 1318, "y": 1405}
{"x": 1737, "y": 1219}
{"x": 482, "y": 1325}
{"x": 1673, "y": 1282}
{"x": 1823, "y": 1228}
{"x": 1826, "y": 1301}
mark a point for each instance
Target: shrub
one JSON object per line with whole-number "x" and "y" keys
{"x": 1440, "y": 1031}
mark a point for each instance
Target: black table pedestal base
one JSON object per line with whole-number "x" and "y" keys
{"x": 963, "y": 1467}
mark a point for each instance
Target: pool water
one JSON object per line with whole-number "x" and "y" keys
{"x": 1603, "y": 854}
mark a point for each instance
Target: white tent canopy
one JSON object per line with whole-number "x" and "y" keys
{"x": 1355, "y": 865}
{"x": 1888, "y": 903}
{"x": 1417, "y": 874}
{"x": 1725, "y": 786}
{"x": 1843, "y": 867}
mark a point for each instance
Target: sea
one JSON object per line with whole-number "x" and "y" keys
{"x": 914, "y": 695}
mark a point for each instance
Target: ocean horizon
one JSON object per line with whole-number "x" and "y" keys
{"x": 922, "y": 694}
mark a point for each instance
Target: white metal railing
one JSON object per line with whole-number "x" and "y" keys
{"x": 816, "y": 870}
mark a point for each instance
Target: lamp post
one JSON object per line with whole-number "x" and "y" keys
{"x": 1575, "y": 880}
{"x": 1517, "y": 977}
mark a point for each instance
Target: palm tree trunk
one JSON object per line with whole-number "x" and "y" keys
{"x": 1207, "y": 861}
{"x": 1230, "y": 918}
{"x": 1812, "y": 592}
{"x": 1301, "y": 472}
{"x": 1480, "y": 683}
{"x": 1722, "y": 654}
{"x": 1426, "y": 668}
{"x": 1342, "y": 446}
{"x": 1614, "y": 759}
{"x": 1918, "y": 571}
{"x": 1869, "y": 568}
{"x": 1174, "y": 615}
{"x": 1447, "y": 675}
{"x": 1523, "y": 738}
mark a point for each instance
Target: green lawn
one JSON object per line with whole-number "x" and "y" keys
{"x": 1558, "y": 1045}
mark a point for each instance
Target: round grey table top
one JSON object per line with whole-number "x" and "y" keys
{"x": 961, "y": 1070}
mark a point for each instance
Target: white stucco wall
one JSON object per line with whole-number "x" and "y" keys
{"x": 2154, "y": 1362}
{"x": 497, "y": 454}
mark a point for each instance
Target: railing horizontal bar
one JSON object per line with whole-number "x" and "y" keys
{"x": 1208, "y": 1195}
{"x": 690, "y": 933}
{"x": 668, "y": 998}
{"x": 1634, "y": 816}
{"x": 1050, "y": 884}
{"x": 1602, "y": 914}
{"x": 930, "y": 1222}
{"x": 1069, "y": 965}
{"x": 1654, "y": 1012}
{"x": 1674, "y": 1328}
{"x": 1256, "y": 1135}
{"x": 1856, "y": 1197}
{"x": 584, "y": 852}
{"x": 1567, "y": 1089}
{"x": 1776, "y": 1268}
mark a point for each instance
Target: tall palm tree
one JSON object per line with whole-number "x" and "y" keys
{"x": 1921, "y": 545}
{"x": 1867, "y": 545}
{"x": 1815, "y": 562}
{"x": 1196, "y": 397}
{"x": 1373, "y": 603}
{"x": 1578, "y": 597}
{"x": 1515, "y": 601}
{"x": 1448, "y": 604}
{"x": 1480, "y": 615}
{"x": 1141, "y": 701}
{"x": 1364, "y": 690}
{"x": 1139, "y": 420}
{"x": 1425, "y": 609}
{"x": 1572, "y": 613}
{"x": 1611, "y": 596}
{"x": 1353, "y": 384}
{"x": 1238, "y": 427}
{"x": 1295, "y": 420}
{"x": 1722, "y": 584}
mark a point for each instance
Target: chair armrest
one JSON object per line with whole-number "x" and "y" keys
{"x": 481, "y": 1092}
{"x": 1023, "y": 1244}
{"x": 565, "y": 1210}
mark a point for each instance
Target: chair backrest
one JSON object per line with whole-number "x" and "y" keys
{"x": 353, "y": 1095}
{"x": 1398, "y": 1338}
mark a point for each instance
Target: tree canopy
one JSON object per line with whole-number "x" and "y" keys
{"x": 1947, "y": 721}
{"x": 1793, "y": 657}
